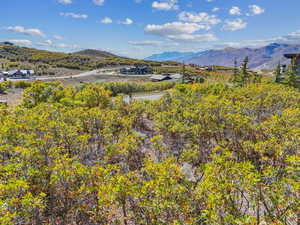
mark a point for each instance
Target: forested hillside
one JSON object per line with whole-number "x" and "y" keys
{"x": 203, "y": 154}
{"x": 89, "y": 59}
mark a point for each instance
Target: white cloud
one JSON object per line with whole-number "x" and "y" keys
{"x": 233, "y": 25}
{"x": 215, "y": 9}
{"x": 57, "y": 37}
{"x": 293, "y": 35}
{"x": 98, "y": 2}
{"x": 23, "y": 30}
{"x": 74, "y": 15}
{"x": 292, "y": 38}
{"x": 180, "y": 31}
{"x": 200, "y": 18}
{"x": 106, "y": 20}
{"x": 51, "y": 44}
{"x": 193, "y": 37}
{"x": 174, "y": 28}
{"x": 21, "y": 42}
{"x": 165, "y": 5}
{"x": 65, "y": 1}
{"x": 45, "y": 43}
{"x": 153, "y": 43}
{"x": 127, "y": 21}
{"x": 63, "y": 45}
{"x": 235, "y": 11}
{"x": 255, "y": 10}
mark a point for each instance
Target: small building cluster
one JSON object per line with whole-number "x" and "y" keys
{"x": 137, "y": 70}
{"x": 203, "y": 68}
{"x": 207, "y": 68}
{"x": 165, "y": 77}
{"x": 17, "y": 74}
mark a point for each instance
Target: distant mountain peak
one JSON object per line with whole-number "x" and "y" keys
{"x": 6, "y": 43}
{"x": 274, "y": 44}
{"x": 266, "y": 57}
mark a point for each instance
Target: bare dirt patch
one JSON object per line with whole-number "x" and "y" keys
{"x": 102, "y": 78}
{"x": 12, "y": 96}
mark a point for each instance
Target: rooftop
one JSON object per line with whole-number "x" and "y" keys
{"x": 292, "y": 55}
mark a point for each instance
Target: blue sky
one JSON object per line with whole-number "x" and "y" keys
{"x": 139, "y": 28}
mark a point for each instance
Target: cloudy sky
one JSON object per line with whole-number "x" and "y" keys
{"x": 139, "y": 28}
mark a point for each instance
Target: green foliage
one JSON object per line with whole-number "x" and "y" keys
{"x": 203, "y": 154}
{"x": 3, "y": 88}
{"x": 242, "y": 77}
{"x": 22, "y": 84}
{"x": 235, "y": 75}
{"x": 5, "y": 85}
{"x": 278, "y": 73}
{"x": 135, "y": 87}
{"x": 291, "y": 75}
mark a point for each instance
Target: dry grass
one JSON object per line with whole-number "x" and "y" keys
{"x": 12, "y": 96}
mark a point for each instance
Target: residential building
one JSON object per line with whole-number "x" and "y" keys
{"x": 156, "y": 78}
{"x": 137, "y": 70}
{"x": 19, "y": 74}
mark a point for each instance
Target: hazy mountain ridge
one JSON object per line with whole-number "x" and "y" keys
{"x": 171, "y": 56}
{"x": 266, "y": 57}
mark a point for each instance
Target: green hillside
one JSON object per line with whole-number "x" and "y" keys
{"x": 89, "y": 59}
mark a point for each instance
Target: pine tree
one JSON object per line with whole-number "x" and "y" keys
{"x": 235, "y": 76}
{"x": 278, "y": 73}
{"x": 245, "y": 76}
{"x": 292, "y": 74}
{"x": 183, "y": 73}
{"x": 257, "y": 77}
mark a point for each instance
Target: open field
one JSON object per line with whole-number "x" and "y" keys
{"x": 108, "y": 74}
{"x": 13, "y": 96}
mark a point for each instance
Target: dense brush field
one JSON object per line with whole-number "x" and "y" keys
{"x": 204, "y": 154}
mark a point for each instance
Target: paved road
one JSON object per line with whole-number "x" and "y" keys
{"x": 105, "y": 71}
{"x": 89, "y": 73}
{"x": 111, "y": 71}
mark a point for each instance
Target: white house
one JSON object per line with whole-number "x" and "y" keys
{"x": 19, "y": 74}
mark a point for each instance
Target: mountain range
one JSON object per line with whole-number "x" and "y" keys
{"x": 262, "y": 58}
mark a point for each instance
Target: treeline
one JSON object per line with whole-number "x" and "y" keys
{"x": 115, "y": 88}
{"x": 203, "y": 154}
{"x": 136, "y": 87}
{"x": 243, "y": 76}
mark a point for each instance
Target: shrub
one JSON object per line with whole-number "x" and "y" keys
{"x": 22, "y": 84}
{"x": 134, "y": 87}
